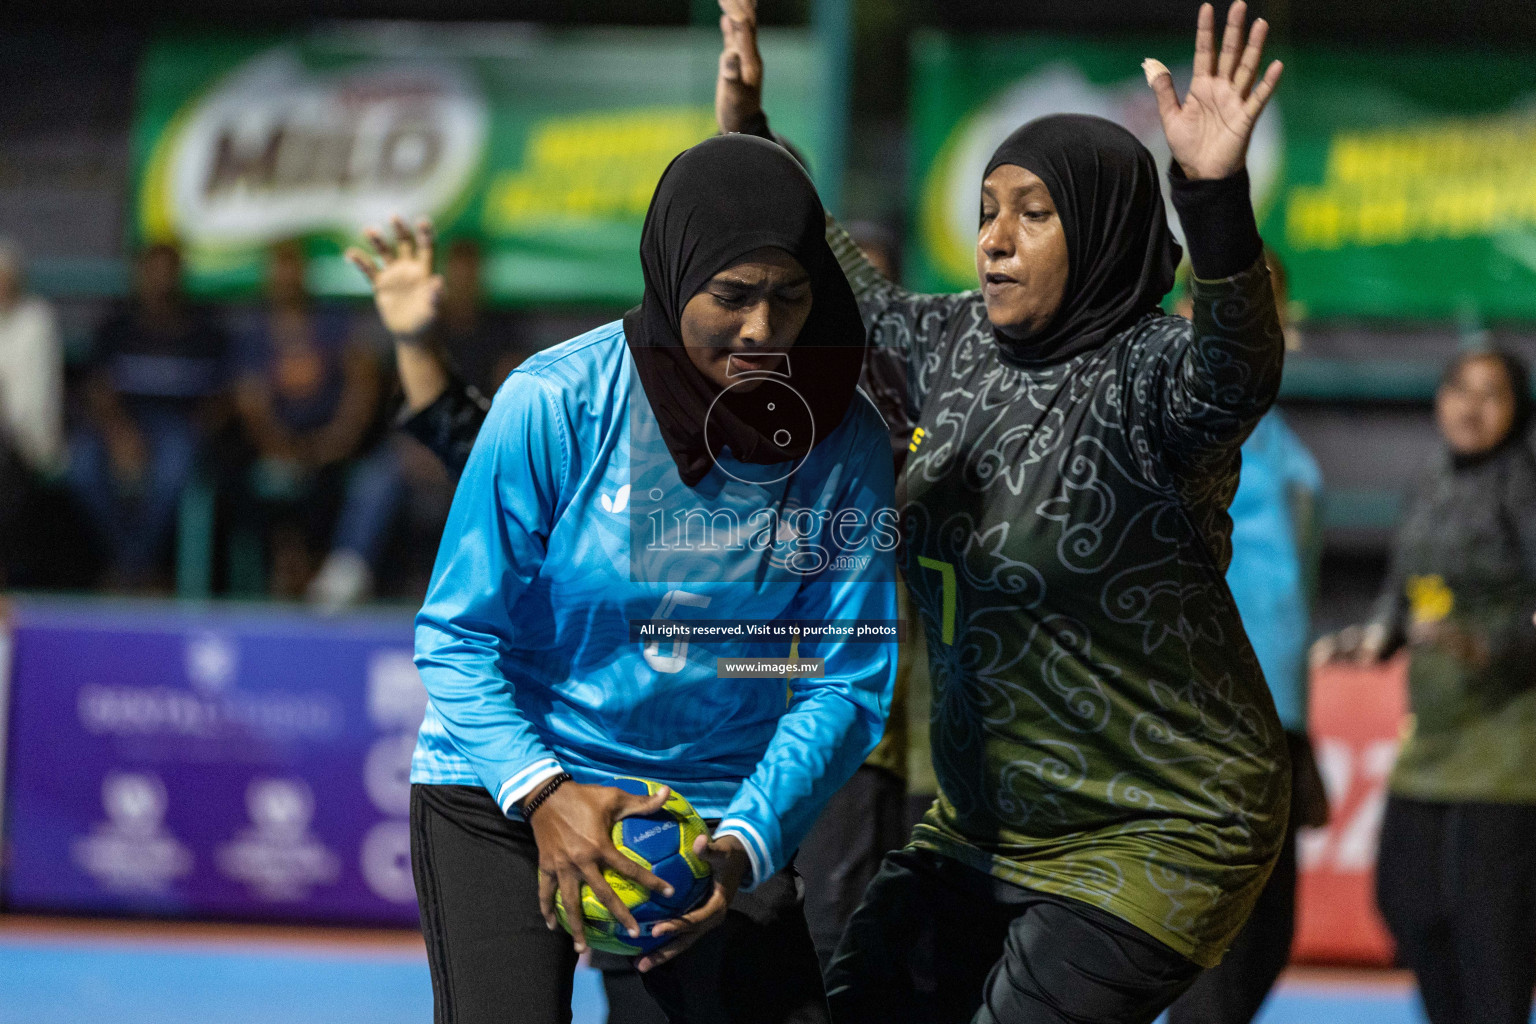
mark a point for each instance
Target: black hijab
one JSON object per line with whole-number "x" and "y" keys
{"x": 714, "y": 204}
{"x": 1122, "y": 257}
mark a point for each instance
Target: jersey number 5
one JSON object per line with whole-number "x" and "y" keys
{"x": 675, "y": 661}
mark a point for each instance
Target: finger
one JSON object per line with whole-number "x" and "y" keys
{"x": 711, "y": 854}
{"x": 741, "y": 42}
{"x": 1161, "y": 81}
{"x": 426, "y": 239}
{"x": 1322, "y": 651}
{"x": 735, "y": 40}
{"x": 635, "y": 805}
{"x": 362, "y": 261}
{"x": 686, "y": 930}
{"x": 405, "y": 243}
{"x": 1205, "y": 41}
{"x": 570, "y": 895}
{"x": 656, "y": 957}
{"x": 728, "y": 58}
{"x": 610, "y": 899}
{"x": 697, "y": 917}
{"x": 616, "y": 861}
{"x": 1243, "y": 80}
{"x": 751, "y": 59}
{"x": 739, "y": 10}
{"x": 376, "y": 239}
{"x": 547, "y": 900}
{"x": 1256, "y": 102}
{"x": 1232, "y": 39}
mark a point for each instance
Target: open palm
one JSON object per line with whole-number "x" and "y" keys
{"x": 1208, "y": 132}
{"x": 405, "y": 288}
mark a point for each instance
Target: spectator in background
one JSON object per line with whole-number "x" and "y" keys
{"x": 477, "y": 342}
{"x": 1274, "y": 556}
{"x": 1456, "y": 875}
{"x": 31, "y": 401}
{"x": 307, "y": 394}
{"x": 155, "y": 388}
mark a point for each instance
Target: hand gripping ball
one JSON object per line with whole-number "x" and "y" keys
{"x": 663, "y": 843}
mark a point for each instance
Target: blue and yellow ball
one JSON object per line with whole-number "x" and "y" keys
{"x": 663, "y": 843}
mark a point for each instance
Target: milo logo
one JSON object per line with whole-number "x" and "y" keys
{"x": 276, "y": 149}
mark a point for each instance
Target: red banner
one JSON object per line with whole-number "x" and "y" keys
{"x": 1357, "y": 716}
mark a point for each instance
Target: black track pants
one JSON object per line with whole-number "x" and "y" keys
{"x": 494, "y": 962}
{"x": 1456, "y": 883}
{"x": 938, "y": 942}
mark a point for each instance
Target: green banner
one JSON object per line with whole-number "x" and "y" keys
{"x": 543, "y": 145}
{"x": 1396, "y": 186}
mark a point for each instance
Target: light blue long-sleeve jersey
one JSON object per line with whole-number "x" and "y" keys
{"x": 571, "y": 520}
{"x": 1266, "y": 574}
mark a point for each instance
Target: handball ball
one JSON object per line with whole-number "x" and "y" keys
{"x": 663, "y": 843}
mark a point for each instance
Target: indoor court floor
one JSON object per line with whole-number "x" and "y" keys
{"x": 63, "y": 971}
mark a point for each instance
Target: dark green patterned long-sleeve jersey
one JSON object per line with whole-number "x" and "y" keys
{"x": 1101, "y": 728}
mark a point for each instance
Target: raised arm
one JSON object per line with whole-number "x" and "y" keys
{"x": 1199, "y": 393}
{"x": 906, "y": 329}
{"x": 440, "y": 411}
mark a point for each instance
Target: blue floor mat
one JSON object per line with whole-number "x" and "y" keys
{"x": 1296, "y": 1004}
{"x": 53, "y": 982}
{"x": 86, "y": 981}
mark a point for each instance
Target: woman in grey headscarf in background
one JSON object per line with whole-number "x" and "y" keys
{"x": 1456, "y": 880}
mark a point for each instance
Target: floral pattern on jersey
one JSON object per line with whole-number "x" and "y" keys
{"x": 1100, "y": 728}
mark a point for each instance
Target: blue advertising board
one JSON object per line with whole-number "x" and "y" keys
{"x": 231, "y": 763}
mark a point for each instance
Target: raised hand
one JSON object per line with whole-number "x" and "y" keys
{"x": 405, "y": 288}
{"x": 1208, "y": 133}
{"x": 739, "y": 85}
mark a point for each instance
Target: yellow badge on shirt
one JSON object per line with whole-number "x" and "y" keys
{"x": 1429, "y": 599}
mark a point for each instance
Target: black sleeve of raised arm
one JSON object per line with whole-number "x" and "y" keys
{"x": 757, "y": 125}
{"x": 1219, "y": 227}
{"x": 450, "y": 424}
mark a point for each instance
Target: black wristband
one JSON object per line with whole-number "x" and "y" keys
{"x": 757, "y": 125}
{"x": 534, "y": 802}
{"x": 1219, "y": 229}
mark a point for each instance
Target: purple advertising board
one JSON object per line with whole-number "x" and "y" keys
{"x": 233, "y": 763}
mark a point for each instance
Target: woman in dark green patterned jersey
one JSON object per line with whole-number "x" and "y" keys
{"x": 1456, "y": 880}
{"x": 1114, "y": 780}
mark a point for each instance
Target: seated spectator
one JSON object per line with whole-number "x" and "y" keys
{"x": 308, "y": 393}
{"x": 154, "y": 390}
{"x": 31, "y": 402}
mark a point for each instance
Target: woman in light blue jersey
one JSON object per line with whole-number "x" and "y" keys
{"x": 707, "y": 457}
